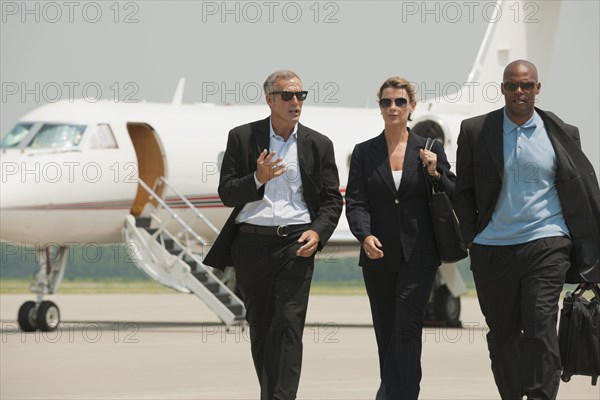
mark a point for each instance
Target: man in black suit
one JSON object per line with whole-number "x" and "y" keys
{"x": 287, "y": 204}
{"x": 529, "y": 205}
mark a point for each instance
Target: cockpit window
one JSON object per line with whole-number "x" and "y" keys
{"x": 15, "y": 136}
{"x": 58, "y": 135}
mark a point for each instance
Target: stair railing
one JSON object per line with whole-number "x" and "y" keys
{"x": 187, "y": 229}
{"x": 197, "y": 214}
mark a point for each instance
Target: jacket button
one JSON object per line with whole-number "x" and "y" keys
{"x": 397, "y": 201}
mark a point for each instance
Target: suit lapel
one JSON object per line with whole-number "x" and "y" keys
{"x": 307, "y": 167}
{"x": 412, "y": 162}
{"x": 379, "y": 154}
{"x": 303, "y": 146}
{"x": 493, "y": 136}
{"x": 563, "y": 146}
{"x": 261, "y": 136}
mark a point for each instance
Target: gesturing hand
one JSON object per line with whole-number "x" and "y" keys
{"x": 267, "y": 168}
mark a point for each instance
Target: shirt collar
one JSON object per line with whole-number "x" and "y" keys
{"x": 274, "y": 135}
{"x": 509, "y": 125}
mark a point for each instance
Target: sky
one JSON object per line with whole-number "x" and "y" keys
{"x": 343, "y": 50}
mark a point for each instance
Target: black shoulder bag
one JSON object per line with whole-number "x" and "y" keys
{"x": 449, "y": 242}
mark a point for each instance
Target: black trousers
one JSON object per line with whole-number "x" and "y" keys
{"x": 274, "y": 284}
{"x": 398, "y": 302}
{"x": 518, "y": 289}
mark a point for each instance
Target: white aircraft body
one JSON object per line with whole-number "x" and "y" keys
{"x": 80, "y": 173}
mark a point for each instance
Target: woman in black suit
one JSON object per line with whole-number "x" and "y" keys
{"x": 387, "y": 207}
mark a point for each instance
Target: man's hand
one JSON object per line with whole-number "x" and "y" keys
{"x": 267, "y": 168}
{"x": 372, "y": 247}
{"x": 312, "y": 240}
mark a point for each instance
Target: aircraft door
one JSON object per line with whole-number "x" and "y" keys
{"x": 151, "y": 162}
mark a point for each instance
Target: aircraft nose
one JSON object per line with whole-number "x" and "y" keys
{"x": 9, "y": 196}
{"x": 29, "y": 186}
{"x": 10, "y": 180}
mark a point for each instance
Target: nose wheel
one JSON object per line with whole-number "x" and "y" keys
{"x": 48, "y": 316}
{"x": 44, "y": 316}
{"x": 28, "y": 317}
{"x": 443, "y": 307}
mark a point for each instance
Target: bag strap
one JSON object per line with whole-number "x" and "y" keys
{"x": 430, "y": 189}
{"x": 589, "y": 286}
{"x": 429, "y": 144}
{"x": 595, "y": 289}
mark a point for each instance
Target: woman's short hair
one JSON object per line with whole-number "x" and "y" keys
{"x": 397, "y": 82}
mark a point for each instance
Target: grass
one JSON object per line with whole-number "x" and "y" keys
{"x": 116, "y": 286}
{"x": 340, "y": 289}
{"x": 113, "y": 286}
{"x": 88, "y": 286}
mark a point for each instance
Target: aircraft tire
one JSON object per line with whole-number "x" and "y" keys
{"x": 27, "y": 317}
{"x": 48, "y": 316}
{"x": 445, "y": 306}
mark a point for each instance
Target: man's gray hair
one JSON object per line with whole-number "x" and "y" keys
{"x": 285, "y": 74}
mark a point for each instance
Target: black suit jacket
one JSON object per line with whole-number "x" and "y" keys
{"x": 400, "y": 218}
{"x": 480, "y": 168}
{"x": 318, "y": 171}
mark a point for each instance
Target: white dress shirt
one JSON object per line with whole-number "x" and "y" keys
{"x": 283, "y": 202}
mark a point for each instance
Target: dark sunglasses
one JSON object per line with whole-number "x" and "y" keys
{"x": 525, "y": 86}
{"x": 287, "y": 96}
{"x": 400, "y": 102}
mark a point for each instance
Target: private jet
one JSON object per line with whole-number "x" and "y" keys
{"x": 146, "y": 174}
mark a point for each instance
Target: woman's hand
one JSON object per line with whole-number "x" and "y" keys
{"x": 429, "y": 159}
{"x": 372, "y": 246}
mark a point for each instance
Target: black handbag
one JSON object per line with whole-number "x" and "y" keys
{"x": 579, "y": 335}
{"x": 449, "y": 242}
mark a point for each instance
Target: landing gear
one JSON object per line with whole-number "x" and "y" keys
{"x": 42, "y": 314}
{"x": 446, "y": 307}
{"x": 443, "y": 308}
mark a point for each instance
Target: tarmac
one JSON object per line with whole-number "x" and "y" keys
{"x": 171, "y": 346}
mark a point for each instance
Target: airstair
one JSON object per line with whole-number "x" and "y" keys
{"x": 162, "y": 243}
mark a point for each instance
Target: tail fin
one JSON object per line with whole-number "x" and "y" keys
{"x": 178, "y": 96}
{"x": 516, "y": 30}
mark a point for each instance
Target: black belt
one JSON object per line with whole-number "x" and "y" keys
{"x": 281, "y": 230}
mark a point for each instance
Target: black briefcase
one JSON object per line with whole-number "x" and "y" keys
{"x": 579, "y": 334}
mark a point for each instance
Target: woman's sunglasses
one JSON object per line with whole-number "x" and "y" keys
{"x": 400, "y": 102}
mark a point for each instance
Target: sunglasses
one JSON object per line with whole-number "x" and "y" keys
{"x": 525, "y": 86}
{"x": 287, "y": 96}
{"x": 400, "y": 102}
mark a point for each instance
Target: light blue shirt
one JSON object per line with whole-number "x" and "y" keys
{"x": 528, "y": 207}
{"x": 283, "y": 202}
